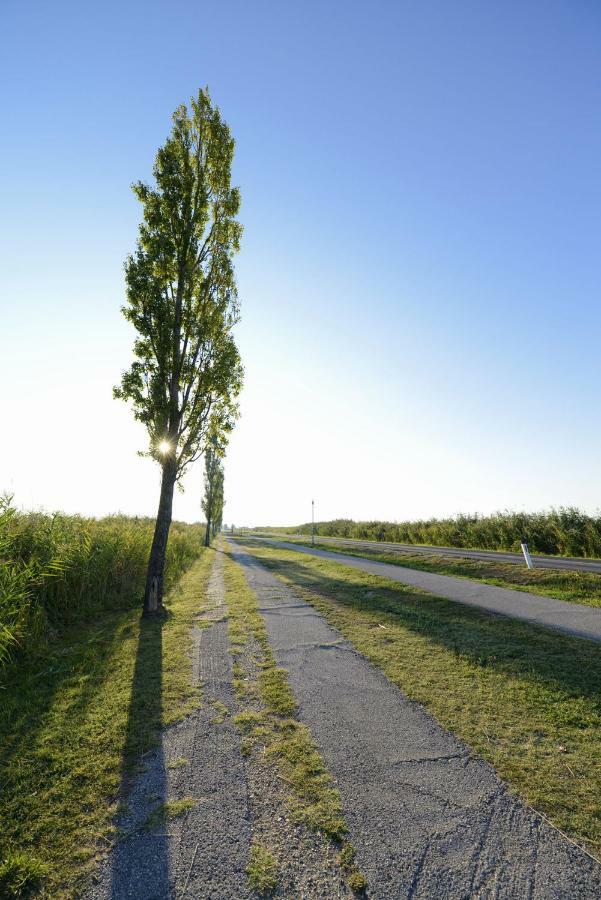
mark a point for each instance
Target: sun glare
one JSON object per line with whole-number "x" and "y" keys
{"x": 164, "y": 447}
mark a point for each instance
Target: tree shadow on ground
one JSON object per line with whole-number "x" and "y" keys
{"x": 72, "y": 672}
{"x": 139, "y": 862}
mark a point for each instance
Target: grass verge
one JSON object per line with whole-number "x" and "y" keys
{"x": 573, "y": 587}
{"x": 75, "y": 723}
{"x": 270, "y": 724}
{"x": 526, "y": 699}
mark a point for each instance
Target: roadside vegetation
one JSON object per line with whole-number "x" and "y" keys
{"x": 77, "y": 715}
{"x": 526, "y": 699}
{"x": 573, "y": 587}
{"x": 270, "y": 727}
{"x": 566, "y": 531}
{"x": 58, "y": 570}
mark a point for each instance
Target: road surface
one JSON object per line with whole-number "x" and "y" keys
{"x": 574, "y": 563}
{"x": 573, "y": 619}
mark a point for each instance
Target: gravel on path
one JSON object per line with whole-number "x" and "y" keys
{"x": 426, "y": 816}
{"x": 570, "y": 618}
{"x": 203, "y": 853}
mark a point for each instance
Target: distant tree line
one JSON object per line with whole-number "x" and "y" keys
{"x": 565, "y": 531}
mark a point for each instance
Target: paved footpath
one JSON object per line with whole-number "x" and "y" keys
{"x": 204, "y": 854}
{"x": 427, "y": 818}
{"x": 570, "y": 618}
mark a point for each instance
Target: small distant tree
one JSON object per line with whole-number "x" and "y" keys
{"x": 212, "y": 503}
{"x": 182, "y": 301}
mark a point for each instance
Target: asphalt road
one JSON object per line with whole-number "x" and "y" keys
{"x": 574, "y": 563}
{"x": 570, "y": 618}
{"x": 426, "y": 817}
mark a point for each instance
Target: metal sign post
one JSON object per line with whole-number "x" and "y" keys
{"x": 312, "y": 523}
{"x": 527, "y": 556}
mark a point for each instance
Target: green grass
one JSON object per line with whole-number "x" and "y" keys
{"x": 269, "y": 723}
{"x": 178, "y": 763}
{"x": 262, "y": 870}
{"x": 221, "y": 711}
{"x": 76, "y": 721}
{"x": 57, "y": 571}
{"x": 526, "y": 699}
{"x": 21, "y": 875}
{"x": 168, "y": 809}
{"x": 573, "y": 587}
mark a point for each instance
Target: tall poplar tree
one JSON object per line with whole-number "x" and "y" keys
{"x": 182, "y": 301}
{"x": 212, "y": 503}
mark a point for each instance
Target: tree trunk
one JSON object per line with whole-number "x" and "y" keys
{"x": 153, "y": 594}
{"x": 208, "y": 532}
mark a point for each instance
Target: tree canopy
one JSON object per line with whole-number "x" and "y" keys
{"x": 181, "y": 290}
{"x": 213, "y": 500}
{"x": 183, "y": 302}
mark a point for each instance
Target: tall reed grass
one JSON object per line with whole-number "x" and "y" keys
{"x": 564, "y": 531}
{"x": 56, "y": 570}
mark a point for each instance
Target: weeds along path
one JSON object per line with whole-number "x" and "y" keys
{"x": 427, "y": 818}
{"x": 558, "y": 615}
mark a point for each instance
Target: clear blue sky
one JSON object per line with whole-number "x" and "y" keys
{"x": 420, "y": 274}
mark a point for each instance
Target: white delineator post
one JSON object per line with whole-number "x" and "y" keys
{"x": 527, "y": 556}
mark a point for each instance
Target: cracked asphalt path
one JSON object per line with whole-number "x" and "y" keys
{"x": 570, "y": 618}
{"x": 427, "y": 818}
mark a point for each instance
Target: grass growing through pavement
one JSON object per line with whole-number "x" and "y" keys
{"x": 574, "y": 587}
{"x": 73, "y": 724}
{"x": 271, "y": 723}
{"x": 262, "y": 870}
{"x": 166, "y": 810}
{"x": 526, "y": 699}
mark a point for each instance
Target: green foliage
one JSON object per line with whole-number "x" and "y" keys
{"x": 212, "y": 502}
{"x": 356, "y": 882}
{"x": 181, "y": 290}
{"x": 566, "y": 531}
{"x": 21, "y": 875}
{"x": 262, "y": 870}
{"x": 168, "y": 809}
{"x": 76, "y": 721}
{"x": 57, "y": 570}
